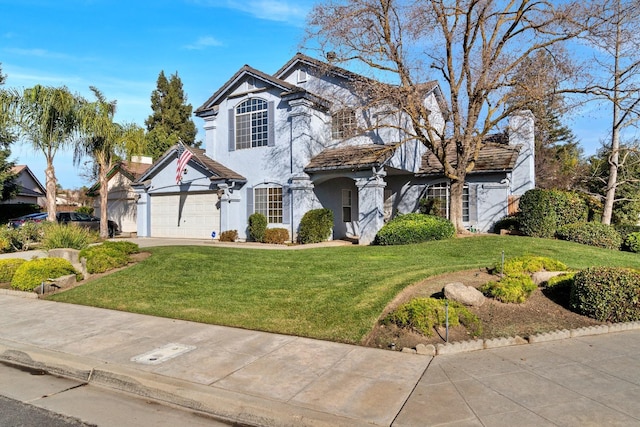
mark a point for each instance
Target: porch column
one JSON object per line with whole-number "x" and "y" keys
{"x": 143, "y": 212}
{"x": 301, "y": 200}
{"x": 229, "y": 197}
{"x": 370, "y": 206}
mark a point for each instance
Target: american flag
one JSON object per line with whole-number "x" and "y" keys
{"x": 184, "y": 156}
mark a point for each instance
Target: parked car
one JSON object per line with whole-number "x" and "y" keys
{"x": 34, "y": 217}
{"x": 85, "y": 220}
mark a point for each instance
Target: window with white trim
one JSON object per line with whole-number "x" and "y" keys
{"x": 346, "y": 205}
{"x": 251, "y": 124}
{"x": 441, "y": 192}
{"x": 268, "y": 201}
{"x": 343, "y": 124}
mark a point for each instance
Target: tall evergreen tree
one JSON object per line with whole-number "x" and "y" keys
{"x": 171, "y": 119}
{"x": 9, "y": 188}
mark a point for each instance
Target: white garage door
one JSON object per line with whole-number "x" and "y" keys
{"x": 185, "y": 215}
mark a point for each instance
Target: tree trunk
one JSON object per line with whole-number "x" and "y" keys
{"x": 104, "y": 192}
{"x": 455, "y": 205}
{"x": 50, "y": 183}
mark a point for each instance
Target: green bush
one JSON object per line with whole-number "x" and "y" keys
{"x": 276, "y": 235}
{"x": 542, "y": 212}
{"x": 592, "y": 234}
{"x": 509, "y": 222}
{"x": 527, "y": 264}
{"x": 315, "y": 226}
{"x": 607, "y": 294}
{"x": 22, "y": 238}
{"x": 257, "y": 226}
{"x": 8, "y": 268}
{"x": 32, "y": 273}
{"x": 423, "y": 314}
{"x": 229, "y": 236}
{"x": 625, "y": 230}
{"x": 68, "y": 236}
{"x": 510, "y": 289}
{"x": 101, "y": 258}
{"x": 122, "y": 246}
{"x": 632, "y": 242}
{"x": 85, "y": 210}
{"x": 414, "y": 228}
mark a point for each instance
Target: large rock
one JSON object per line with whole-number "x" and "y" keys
{"x": 541, "y": 277}
{"x": 467, "y": 295}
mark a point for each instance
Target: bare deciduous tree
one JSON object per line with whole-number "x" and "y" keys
{"x": 472, "y": 47}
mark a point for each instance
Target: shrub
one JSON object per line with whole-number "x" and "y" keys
{"x": 632, "y": 242}
{"x": 510, "y": 289}
{"x": 101, "y": 258}
{"x": 509, "y": 222}
{"x": 22, "y": 238}
{"x": 85, "y": 210}
{"x": 68, "y": 236}
{"x": 542, "y": 212}
{"x": 8, "y": 268}
{"x": 592, "y": 234}
{"x": 229, "y": 236}
{"x": 122, "y": 246}
{"x": 414, "y": 228}
{"x": 625, "y": 230}
{"x": 257, "y": 226}
{"x": 423, "y": 314}
{"x": 527, "y": 264}
{"x": 276, "y": 235}
{"x": 32, "y": 273}
{"x": 607, "y": 294}
{"x": 315, "y": 226}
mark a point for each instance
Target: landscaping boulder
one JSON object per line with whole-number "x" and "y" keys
{"x": 541, "y": 277}
{"x": 467, "y": 295}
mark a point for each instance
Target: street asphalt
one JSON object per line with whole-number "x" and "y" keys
{"x": 263, "y": 379}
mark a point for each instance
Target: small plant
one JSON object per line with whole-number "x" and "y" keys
{"x": 122, "y": 246}
{"x": 607, "y": 294}
{"x": 68, "y": 236}
{"x": 315, "y": 226}
{"x": 101, "y": 258}
{"x": 22, "y": 238}
{"x": 276, "y": 235}
{"x": 527, "y": 264}
{"x": 632, "y": 242}
{"x": 592, "y": 234}
{"x": 510, "y": 289}
{"x": 424, "y": 314}
{"x": 509, "y": 223}
{"x": 414, "y": 228}
{"x": 229, "y": 236}
{"x": 8, "y": 268}
{"x": 257, "y": 226}
{"x": 32, "y": 273}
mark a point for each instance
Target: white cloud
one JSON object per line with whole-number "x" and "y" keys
{"x": 40, "y": 53}
{"x": 203, "y": 43}
{"x": 293, "y": 12}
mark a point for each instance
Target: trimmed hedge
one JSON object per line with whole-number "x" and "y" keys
{"x": 423, "y": 314}
{"x": 414, "y": 228}
{"x": 276, "y": 235}
{"x": 229, "y": 236}
{"x": 632, "y": 242}
{"x": 8, "y": 268}
{"x": 257, "y": 226}
{"x": 542, "y": 212}
{"x": 607, "y": 294}
{"x": 592, "y": 234}
{"x": 101, "y": 258}
{"x": 32, "y": 273}
{"x": 122, "y": 246}
{"x": 315, "y": 226}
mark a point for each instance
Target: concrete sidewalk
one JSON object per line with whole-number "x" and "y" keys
{"x": 257, "y": 378}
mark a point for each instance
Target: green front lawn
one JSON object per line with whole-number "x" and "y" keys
{"x": 327, "y": 293}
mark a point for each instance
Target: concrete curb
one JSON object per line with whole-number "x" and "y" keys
{"x": 20, "y": 294}
{"x": 227, "y": 406}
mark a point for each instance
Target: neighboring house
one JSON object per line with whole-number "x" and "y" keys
{"x": 121, "y": 198}
{"x": 30, "y": 190}
{"x": 297, "y": 140}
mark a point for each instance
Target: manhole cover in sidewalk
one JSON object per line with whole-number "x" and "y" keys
{"x": 162, "y": 354}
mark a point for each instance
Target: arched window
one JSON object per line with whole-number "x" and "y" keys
{"x": 268, "y": 201}
{"x": 343, "y": 124}
{"x": 251, "y": 124}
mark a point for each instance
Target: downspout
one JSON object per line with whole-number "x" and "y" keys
{"x": 290, "y": 174}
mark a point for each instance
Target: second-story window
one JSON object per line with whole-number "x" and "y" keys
{"x": 343, "y": 124}
{"x": 251, "y": 124}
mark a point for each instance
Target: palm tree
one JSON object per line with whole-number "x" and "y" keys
{"x": 106, "y": 143}
{"x": 47, "y": 117}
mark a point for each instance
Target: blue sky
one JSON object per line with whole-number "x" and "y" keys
{"x": 121, "y": 46}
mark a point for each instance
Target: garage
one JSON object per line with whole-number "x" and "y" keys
{"x": 185, "y": 215}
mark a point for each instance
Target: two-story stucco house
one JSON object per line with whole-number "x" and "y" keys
{"x": 301, "y": 139}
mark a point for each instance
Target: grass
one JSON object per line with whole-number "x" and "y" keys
{"x": 327, "y": 293}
